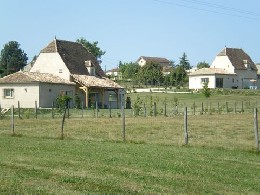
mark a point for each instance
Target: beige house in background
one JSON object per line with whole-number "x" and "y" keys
{"x": 232, "y": 68}
{"x": 143, "y": 60}
{"x": 79, "y": 71}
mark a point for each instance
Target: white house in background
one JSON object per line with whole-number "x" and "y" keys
{"x": 113, "y": 74}
{"x": 232, "y": 68}
{"x": 143, "y": 60}
{"x": 76, "y": 67}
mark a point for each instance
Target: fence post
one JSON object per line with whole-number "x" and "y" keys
{"x": 185, "y": 126}
{"x": 82, "y": 109}
{"x": 227, "y": 107}
{"x": 19, "y": 111}
{"x": 12, "y": 119}
{"x": 96, "y": 109}
{"x": 242, "y": 107}
{"x": 256, "y": 129}
{"x": 218, "y": 108}
{"x": 202, "y": 108}
{"x": 62, "y": 123}
{"x": 235, "y": 107}
{"x": 0, "y": 112}
{"x": 194, "y": 108}
{"x": 36, "y": 109}
{"x": 165, "y": 111}
{"x": 144, "y": 110}
{"x": 154, "y": 109}
{"x": 52, "y": 109}
{"x": 110, "y": 112}
{"x": 123, "y": 122}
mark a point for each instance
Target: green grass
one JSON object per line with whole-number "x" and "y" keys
{"x": 92, "y": 158}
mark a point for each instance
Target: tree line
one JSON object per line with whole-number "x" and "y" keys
{"x": 153, "y": 73}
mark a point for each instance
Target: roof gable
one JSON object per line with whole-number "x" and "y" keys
{"x": 74, "y": 55}
{"x": 238, "y": 58}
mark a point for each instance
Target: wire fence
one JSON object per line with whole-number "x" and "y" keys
{"x": 207, "y": 125}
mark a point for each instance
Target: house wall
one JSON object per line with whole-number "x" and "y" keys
{"x": 26, "y": 94}
{"x": 49, "y": 93}
{"x": 229, "y": 81}
{"x": 244, "y": 77}
{"x": 51, "y": 63}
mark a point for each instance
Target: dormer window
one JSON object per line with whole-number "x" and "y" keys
{"x": 90, "y": 67}
{"x": 247, "y": 65}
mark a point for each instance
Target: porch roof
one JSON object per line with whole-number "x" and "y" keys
{"x": 211, "y": 71}
{"x": 93, "y": 81}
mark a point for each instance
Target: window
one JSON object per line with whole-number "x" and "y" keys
{"x": 60, "y": 70}
{"x": 204, "y": 80}
{"x": 219, "y": 82}
{"x": 8, "y": 93}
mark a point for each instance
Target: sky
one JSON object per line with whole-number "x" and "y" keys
{"x": 128, "y": 29}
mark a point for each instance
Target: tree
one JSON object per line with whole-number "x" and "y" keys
{"x": 203, "y": 65}
{"x": 206, "y": 90}
{"x": 129, "y": 70}
{"x": 184, "y": 62}
{"x": 92, "y": 47}
{"x": 181, "y": 74}
{"x": 151, "y": 73}
{"x": 12, "y": 58}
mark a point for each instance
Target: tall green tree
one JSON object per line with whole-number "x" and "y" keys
{"x": 92, "y": 47}
{"x": 151, "y": 73}
{"x": 184, "y": 62}
{"x": 181, "y": 70}
{"x": 12, "y": 58}
{"x": 203, "y": 65}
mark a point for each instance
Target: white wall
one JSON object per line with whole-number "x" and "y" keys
{"x": 26, "y": 94}
{"x": 51, "y": 63}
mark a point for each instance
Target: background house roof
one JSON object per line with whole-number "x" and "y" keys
{"x": 154, "y": 59}
{"x": 237, "y": 57}
{"x": 29, "y": 77}
{"x": 92, "y": 81}
{"x": 210, "y": 71}
{"x": 74, "y": 56}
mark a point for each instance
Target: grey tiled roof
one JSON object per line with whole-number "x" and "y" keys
{"x": 74, "y": 56}
{"x": 31, "y": 77}
{"x": 236, "y": 57}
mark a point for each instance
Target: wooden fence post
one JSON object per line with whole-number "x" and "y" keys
{"x": 154, "y": 109}
{"x": 123, "y": 122}
{"x": 242, "y": 107}
{"x": 82, "y": 109}
{"x": 218, "y": 108}
{"x": 194, "y": 108}
{"x": 110, "y": 111}
{"x": 186, "y": 137}
{"x": 0, "y": 112}
{"x": 256, "y": 129}
{"x": 36, "y": 110}
{"x": 19, "y": 110}
{"x": 96, "y": 109}
{"x": 227, "y": 107}
{"x": 144, "y": 110}
{"x": 165, "y": 111}
{"x": 12, "y": 119}
{"x": 52, "y": 110}
{"x": 202, "y": 108}
{"x": 62, "y": 123}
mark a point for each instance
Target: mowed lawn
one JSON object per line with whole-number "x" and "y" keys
{"x": 92, "y": 158}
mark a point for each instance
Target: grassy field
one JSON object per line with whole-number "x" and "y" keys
{"x": 92, "y": 158}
